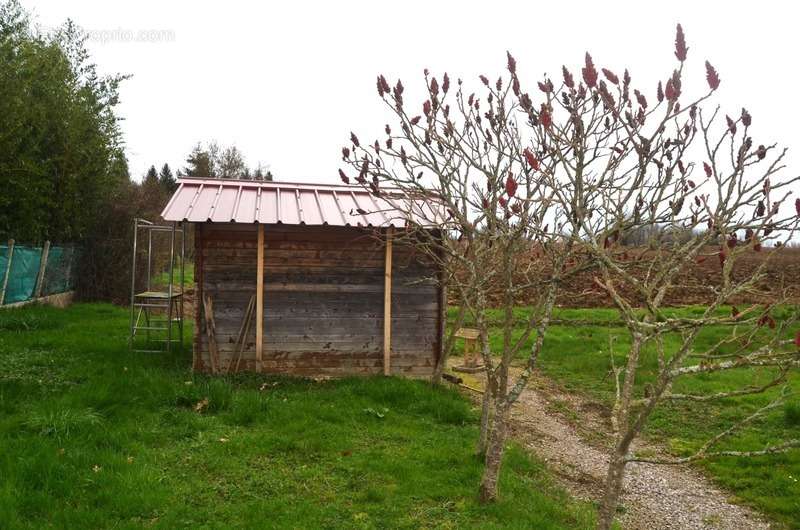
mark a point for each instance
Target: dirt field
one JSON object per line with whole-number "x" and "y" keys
{"x": 698, "y": 282}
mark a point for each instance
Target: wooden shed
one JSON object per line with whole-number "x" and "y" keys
{"x": 333, "y": 290}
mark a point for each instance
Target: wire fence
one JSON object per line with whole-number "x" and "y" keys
{"x": 31, "y": 272}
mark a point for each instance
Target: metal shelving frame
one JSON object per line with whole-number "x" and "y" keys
{"x": 148, "y": 305}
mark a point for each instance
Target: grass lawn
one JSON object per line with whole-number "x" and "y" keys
{"x": 577, "y": 358}
{"x": 92, "y": 436}
{"x": 162, "y": 278}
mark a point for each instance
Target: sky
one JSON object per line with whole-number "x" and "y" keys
{"x": 286, "y": 82}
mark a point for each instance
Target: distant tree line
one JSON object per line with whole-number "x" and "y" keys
{"x": 63, "y": 172}
{"x": 209, "y": 161}
{"x": 658, "y": 234}
{"x": 213, "y": 161}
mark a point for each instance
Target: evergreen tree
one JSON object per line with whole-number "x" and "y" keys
{"x": 151, "y": 177}
{"x": 261, "y": 173}
{"x": 199, "y": 163}
{"x": 167, "y": 180}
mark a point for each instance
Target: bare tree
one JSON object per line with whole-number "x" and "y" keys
{"x": 628, "y": 169}
{"x": 230, "y": 164}
{"x": 524, "y": 195}
{"x": 482, "y": 183}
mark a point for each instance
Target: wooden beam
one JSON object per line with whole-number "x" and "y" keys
{"x": 37, "y": 293}
{"x": 8, "y": 270}
{"x": 387, "y": 306}
{"x": 260, "y": 300}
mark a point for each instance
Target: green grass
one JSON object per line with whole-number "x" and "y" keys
{"x": 92, "y": 436}
{"x": 577, "y": 358}
{"x": 162, "y": 278}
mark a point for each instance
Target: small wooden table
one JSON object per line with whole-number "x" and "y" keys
{"x": 472, "y": 362}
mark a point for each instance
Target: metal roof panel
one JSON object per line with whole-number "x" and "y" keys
{"x": 223, "y": 200}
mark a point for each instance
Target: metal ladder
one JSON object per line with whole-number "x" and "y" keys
{"x": 158, "y": 314}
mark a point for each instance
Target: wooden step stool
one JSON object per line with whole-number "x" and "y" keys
{"x": 472, "y": 362}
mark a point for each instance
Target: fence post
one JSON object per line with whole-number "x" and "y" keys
{"x": 8, "y": 270}
{"x": 70, "y": 265}
{"x": 37, "y": 293}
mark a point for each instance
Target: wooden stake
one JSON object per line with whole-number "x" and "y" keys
{"x": 250, "y": 306}
{"x": 37, "y": 293}
{"x": 387, "y": 306}
{"x": 244, "y": 342}
{"x": 211, "y": 332}
{"x": 8, "y": 270}
{"x": 244, "y": 330}
{"x": 260, "y": 300}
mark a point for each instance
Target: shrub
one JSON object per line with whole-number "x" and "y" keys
{"x": 791, "y": 414}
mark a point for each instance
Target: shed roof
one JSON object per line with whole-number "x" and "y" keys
{"x": 246, "y": 201}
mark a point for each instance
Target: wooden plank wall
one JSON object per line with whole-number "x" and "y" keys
{"x": 323, "y": 300}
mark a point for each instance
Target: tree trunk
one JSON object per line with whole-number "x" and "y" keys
{"x": 489, "y": 389}
{"x": 625, "y": 433}
{"x": 483, "y": 436}
{"x": 438, "y": 370}
{"x": 449, "y": 342}
{"x": 613, "y": 490}
{"x": 494, "y": 457}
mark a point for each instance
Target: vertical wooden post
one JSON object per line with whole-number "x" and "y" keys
{"x": 70, "y": 266}
{"x": 387, "y": 306}
{"x": 260, "y": 300}
{"x": 8, "y": 270}
{"x": 199, "y": 280}
{"x": 37, "y": 293}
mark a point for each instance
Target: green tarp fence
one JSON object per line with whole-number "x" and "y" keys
{"x": 24, "y": 272}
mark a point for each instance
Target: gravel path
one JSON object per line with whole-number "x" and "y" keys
{"x": 655, "y": 496}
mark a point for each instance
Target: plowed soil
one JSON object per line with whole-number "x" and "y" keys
{"x": 697, "y": 282}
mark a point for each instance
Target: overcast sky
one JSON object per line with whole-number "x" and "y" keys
{"x": 287, "y": 81}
